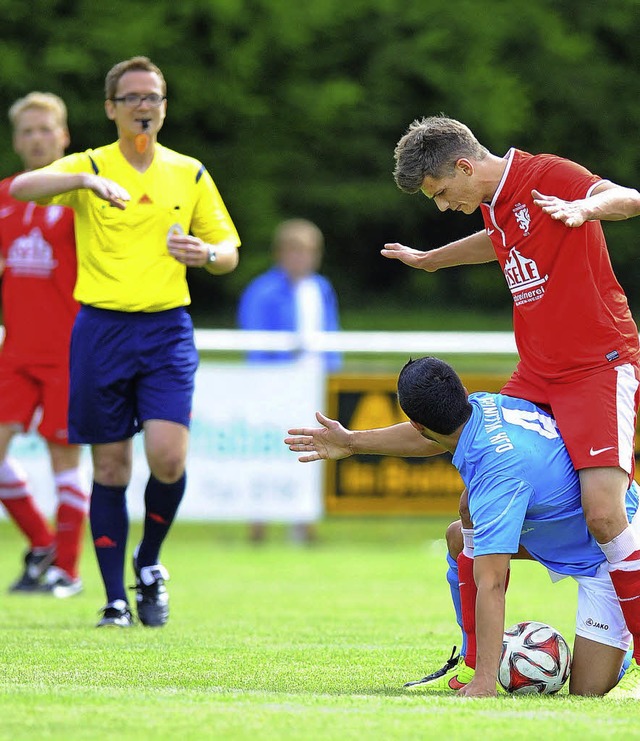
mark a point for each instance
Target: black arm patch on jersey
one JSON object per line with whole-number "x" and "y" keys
{"x": 96, "y": 170}
{"x": 201, "y": 171}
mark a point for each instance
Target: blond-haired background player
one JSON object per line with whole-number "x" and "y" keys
{"x": 144, "y": 213}
{"x": 37, "y": 245}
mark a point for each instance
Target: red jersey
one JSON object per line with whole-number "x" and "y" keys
{"x": 37, "y": 244}
{"x": 570, "y": 317}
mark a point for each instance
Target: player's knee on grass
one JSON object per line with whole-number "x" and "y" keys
{"x": 594, "y": 668}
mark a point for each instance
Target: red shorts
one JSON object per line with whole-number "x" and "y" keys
{"x": 29, "y": 389}
{"x": 596, "y": 415}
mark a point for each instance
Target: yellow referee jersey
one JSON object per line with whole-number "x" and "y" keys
{"x": 123, "y": 261}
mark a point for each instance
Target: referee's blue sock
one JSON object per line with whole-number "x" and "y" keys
{"x": 452, "y": 578}
{"x": 161, "y": 504}
{"x": 109, "y": 527}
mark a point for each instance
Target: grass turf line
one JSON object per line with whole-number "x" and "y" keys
{"x": 279, "y": 642}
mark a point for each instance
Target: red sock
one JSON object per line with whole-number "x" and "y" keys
{"x": 71, "y": 516}
{"x": 69, "y": 536}
{"x": 468, "y": 593}
{"x": 627, "y": 586}
{"x": 24, "y": 512}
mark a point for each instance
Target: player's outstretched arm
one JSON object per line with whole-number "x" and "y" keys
{"x": 608, "y": 202}
{"x": 332, "y": 441}
{"x": 471, "y": 250}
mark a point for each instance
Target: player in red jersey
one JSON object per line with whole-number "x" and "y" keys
{"x": 37, "y": 247}
{"x": 578, "y": 343}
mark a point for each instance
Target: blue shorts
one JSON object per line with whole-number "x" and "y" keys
{"x": 126, "y": 368}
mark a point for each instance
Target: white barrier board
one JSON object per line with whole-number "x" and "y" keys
{"x": 238, "y": 466}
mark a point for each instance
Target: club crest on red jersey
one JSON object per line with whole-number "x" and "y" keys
{"x": 522, "y": 217}
{"x": 31, "y": 255}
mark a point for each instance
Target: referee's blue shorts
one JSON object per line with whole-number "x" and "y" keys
{"x": 127, "y": 368}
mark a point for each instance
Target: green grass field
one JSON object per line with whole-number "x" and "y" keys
{"x": 277, "y": 641}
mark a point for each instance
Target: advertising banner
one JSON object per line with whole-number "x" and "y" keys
{"x": 372, "y": 484}
{"x": 239, "y": 468}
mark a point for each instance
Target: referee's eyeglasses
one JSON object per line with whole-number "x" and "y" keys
{"x": 133, "y": 100}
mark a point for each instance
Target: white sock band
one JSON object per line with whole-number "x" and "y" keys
{"x": 622, "y": 546}
{"x": 467, "y": 539}
{"x": 13, "y": 480}
{"x": 72, "y": 489}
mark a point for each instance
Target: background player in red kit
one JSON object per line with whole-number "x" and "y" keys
{"x": 578, "y": 344}
{"x": 37, "y": 246}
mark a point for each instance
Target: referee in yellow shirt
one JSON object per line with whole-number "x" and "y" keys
{"x": 144, "y": 213}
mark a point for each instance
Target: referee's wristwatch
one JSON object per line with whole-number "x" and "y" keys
{"x": 212, "y": 255}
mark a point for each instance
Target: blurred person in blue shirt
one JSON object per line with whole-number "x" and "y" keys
{"x": 292, "y": 296}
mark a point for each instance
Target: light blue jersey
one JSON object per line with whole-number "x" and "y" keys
{"x": 523, "y": 487}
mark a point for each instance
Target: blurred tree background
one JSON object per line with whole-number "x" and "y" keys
{"x": 295, "y": 108}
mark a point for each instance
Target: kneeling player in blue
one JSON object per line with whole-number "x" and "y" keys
{"x": 522, "y": 490}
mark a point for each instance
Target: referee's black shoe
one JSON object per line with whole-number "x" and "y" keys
{"x": 116, "y": 615}
{"x": 152, "y": 598}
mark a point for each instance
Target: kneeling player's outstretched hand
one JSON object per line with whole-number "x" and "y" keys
{"x": 329, "y": 442}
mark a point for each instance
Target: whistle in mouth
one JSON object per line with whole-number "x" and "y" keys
{"x": 141, "y": 142}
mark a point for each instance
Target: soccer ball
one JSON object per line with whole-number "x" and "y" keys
{"x": 535, "y": 659}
